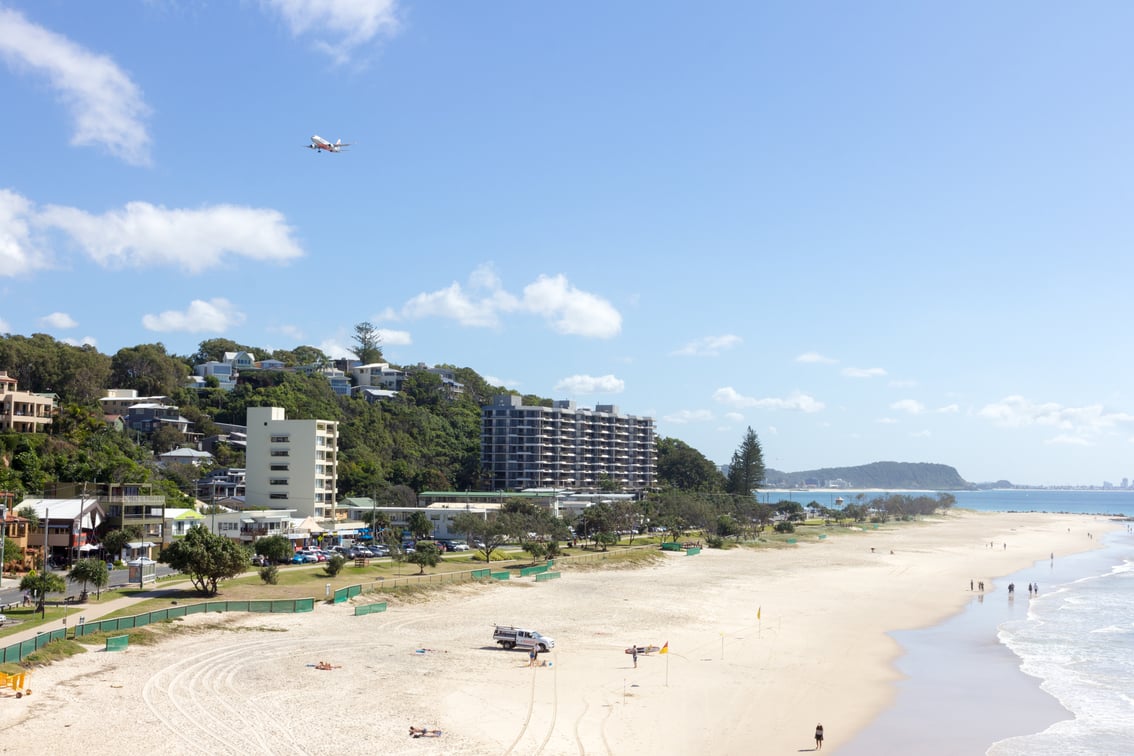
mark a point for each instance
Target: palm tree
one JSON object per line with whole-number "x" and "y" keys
{"x": 90, "y": 571}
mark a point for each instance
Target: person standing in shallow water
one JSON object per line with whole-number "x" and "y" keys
{"x": 818, "y": 737}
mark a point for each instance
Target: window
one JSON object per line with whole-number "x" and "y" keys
{"x": 277, "y": 496}
{"x": 280, "y": 467}
{"x": 280, "y": 453}
{"x": 279, "y": 439}
{"x": 277, "y": 481}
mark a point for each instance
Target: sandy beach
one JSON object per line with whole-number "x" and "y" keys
{"x": 763, "y": 644}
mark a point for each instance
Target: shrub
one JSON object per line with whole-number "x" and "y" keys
{"x": 270, "y": 574}
{"x": 785, "y": 527}
{"x": 334, "y": 565}
{"x": 715, "y": 541}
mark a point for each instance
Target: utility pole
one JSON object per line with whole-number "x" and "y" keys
{"x": 43, "y": 577}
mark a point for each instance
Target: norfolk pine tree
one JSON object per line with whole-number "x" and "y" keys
{"x": 746, "y": 472}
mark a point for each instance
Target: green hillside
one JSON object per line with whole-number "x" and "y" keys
{"x": 888, "y": 476}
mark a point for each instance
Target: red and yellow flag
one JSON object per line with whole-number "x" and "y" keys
{"x": 665, "y": 648}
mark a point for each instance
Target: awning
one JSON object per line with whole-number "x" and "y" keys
{"x": 140, "y": 545}
{"x": 88, "y": 547}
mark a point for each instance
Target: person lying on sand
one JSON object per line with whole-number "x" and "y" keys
{"x": 422, "y": 732}
{"x": 326, "y": 665}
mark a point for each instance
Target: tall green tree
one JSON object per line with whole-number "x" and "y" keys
{"x": 91, "y": 571}
{"x": 367, "y": 343}
{"x": 276, "y": 548}
{"x": 746, "y": 471}
{"x": 683, "y": 467}
{"x": 419, "y": 525}
{"x": 425, "y": 555}
{"x": 206, "y": 558}
{"x": 113, "y": 543}
{"x": 149, "y": 369}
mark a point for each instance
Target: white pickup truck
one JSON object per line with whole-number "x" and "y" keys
{"x": 516, "y": 637}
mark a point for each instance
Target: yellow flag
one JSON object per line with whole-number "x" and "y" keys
{"x": 758, "y": 612}
{"x": 665, "y": 648}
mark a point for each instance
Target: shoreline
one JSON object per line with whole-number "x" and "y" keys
{"x": 762, "y": 643}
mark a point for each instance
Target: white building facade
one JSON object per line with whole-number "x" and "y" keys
{"x": 291, "y": 464}
{"x": 525, "y": 446}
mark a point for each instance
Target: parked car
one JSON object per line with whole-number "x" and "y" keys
{"x": 302, "y": 557}
{"x": 379, "y": 550}
{"x": 457, "y": 546}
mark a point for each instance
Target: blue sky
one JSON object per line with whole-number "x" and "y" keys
{"x": 870, "y": 231}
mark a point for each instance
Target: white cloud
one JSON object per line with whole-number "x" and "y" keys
{"x": 85, "y": 341}
{"x": 215, "y": 316}
{"x": 796, "y": 401}
{"x": 708, "y": 346}
{"x": 912, "y": 406}
{"x": 1074, "y": 422}
{"x": 58, "y": 320}
{"x": 106, "y": 104}
{"x": 142, "y": 235}
{"x": 591, "y": 384}
{"x": 689, "y": 416}
{"x": 949, "y": 409}
{"x": 18, "y": 254}
{"x": 480, "y": 304}
{"x": 394, "y": 338}
{"x": 338, "y": 27}
{"x": 510, "y": 383}
{"x": 4, "y": 327}
{"x": 815, "y": 357}
{"x": 335, "y": 349}
{"x": 291, "y": 331}
{"x": 863, "y": 372}
{"x": 570, "y": 310}
{"x": 1065, "y": 440}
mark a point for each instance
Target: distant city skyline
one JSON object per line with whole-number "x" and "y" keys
{"x": 879, "y": 232}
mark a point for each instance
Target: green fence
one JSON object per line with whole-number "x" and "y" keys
{"x": 692, "y": 551}
{"x": 362, "y": 609}
{"x": 534, "y": 570}
{"x": 672, "y": 546}
{"x": 117, "y": 643}
{"x": 791, "y": 540}
{"x": 345, "y": 594}
{"x": 546, "y": 576}
{"x": 501, "y": 575}
{"x": 282, "y": 606}
{"x": 17, "y": 651}
{"x": 481, "y": 574}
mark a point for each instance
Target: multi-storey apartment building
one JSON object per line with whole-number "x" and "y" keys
{"x": 23, "y": 411}
{"x": 525, "y": 446}
{"x": 291, "y": 464}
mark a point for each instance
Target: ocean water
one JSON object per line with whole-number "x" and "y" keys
{"x": 1078, "y": 640}
{"x": 1031, "y": 675}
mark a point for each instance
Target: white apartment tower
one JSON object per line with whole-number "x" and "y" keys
{"x": 291, "y": 464}
{"x": 564, "y": 447}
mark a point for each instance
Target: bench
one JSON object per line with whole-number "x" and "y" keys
{"x": 361, "y": 562}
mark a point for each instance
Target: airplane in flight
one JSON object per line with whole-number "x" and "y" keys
{"x": 319, "y": 143}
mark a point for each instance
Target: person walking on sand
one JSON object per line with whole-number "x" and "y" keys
{"x": 634, "y": 654}
{"x": 533, "y": 654}
{"x": 819, "y": 737}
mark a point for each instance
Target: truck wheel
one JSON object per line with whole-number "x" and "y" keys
{"x": 543, "y": 649}
{"x": 509, "y": 645}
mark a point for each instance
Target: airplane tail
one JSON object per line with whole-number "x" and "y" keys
{"x": 338, "y": 142}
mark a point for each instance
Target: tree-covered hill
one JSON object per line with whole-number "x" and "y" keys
{"x": 888, "y": 476}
